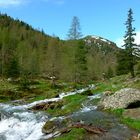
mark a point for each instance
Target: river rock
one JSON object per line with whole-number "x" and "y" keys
{"x": 49, "y": 127}
{"x": 120, "y": 99}
{"x": 57, "y": 125}
{"x": 41, "y": 106}
{"x": 87, "y": 92}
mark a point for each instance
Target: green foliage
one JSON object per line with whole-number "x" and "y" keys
{"x": 74, "y": 134}
{"x": 23, "y": 48}
{"x": 81, "y": 62}
{"x": 117, "y": 112}
{"x": 24, "y": 82}
{"x": 138, "y": 69}
{"x": 126, "y": 58}
{"x": 109, "y": 73}
{"x": 122, "y": 63}
{"x": 135, "y": 124}
{"x": 71, "y": 104}
{"x": 13, "y": 69}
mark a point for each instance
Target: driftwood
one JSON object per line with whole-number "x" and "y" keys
{"x": 88, "y": 128}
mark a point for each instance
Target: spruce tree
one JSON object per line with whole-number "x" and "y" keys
{"x": 126, "y": 58}
{"x": 129, "y": 42}
{"x": 122, "y": 65}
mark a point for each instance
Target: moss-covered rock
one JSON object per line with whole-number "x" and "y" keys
{"x": 49, "y": 127}
{"x": 56, "y": 125}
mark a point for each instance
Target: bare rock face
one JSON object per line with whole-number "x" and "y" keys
{"x": 120, "y": 99}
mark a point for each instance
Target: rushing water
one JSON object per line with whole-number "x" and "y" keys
{"x": 20, "y": 123}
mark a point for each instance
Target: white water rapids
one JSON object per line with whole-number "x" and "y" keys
{"x": 18, "y": 123}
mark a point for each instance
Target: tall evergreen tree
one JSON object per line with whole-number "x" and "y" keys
{"x": 122, "y": 63}
{"x": 75, "y": 29}
{"x": 129, "y": 42}
{"x": 128, "y": 59}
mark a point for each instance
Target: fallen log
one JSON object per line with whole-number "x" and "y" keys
{"x": 89, "y": 128}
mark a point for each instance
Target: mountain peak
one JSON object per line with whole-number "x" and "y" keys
{"x": 98, "y": 39}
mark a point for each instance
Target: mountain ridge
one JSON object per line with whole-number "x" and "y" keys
{"x": 24, "y": 48}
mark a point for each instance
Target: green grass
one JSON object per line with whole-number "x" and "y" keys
{"x": 106, "y": 86}
{"x": 74, "y": 134}
{"x": 117, "y": 112}
{"x": 116, "y": 83}
{"x": 37, "y": 98}
{"x": 135, "y": 84}
{"x": 5, "y": 85}
{"x": 132, "y": 123}
{"x": 37, "y": 90}
{"x": 71, "y": 104}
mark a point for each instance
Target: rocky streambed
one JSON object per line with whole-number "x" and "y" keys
{"x": 22, "y": 123}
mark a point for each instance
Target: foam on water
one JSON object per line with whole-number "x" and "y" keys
{"x": 19, "y": 123}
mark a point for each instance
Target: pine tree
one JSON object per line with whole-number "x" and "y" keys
{"x": 75, "y": 30}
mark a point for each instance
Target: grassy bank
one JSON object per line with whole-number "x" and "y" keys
{"x": 37, "y": 89}
{"x": 70, "y": 104}
{"x": 132, "y": 123}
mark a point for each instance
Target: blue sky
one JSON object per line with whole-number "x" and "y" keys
{"x": 104, "y": 18}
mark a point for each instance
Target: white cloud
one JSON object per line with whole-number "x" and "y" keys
{"x": 58, "y": 2}
{"x": 120, "y": 41}
{"x": 7, "y": 3}
{"x": 137, "y": 38}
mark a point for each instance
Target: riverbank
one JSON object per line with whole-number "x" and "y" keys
{"x": 72, "y": 104}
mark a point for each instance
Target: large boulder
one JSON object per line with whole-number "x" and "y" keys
{"x": 120, "y": 99}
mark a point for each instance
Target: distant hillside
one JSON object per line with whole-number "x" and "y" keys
{"x": 24, "y": 50}
{"x": 102, "y": 44}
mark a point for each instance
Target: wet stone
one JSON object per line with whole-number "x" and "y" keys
{"x": 56, "y": 125}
